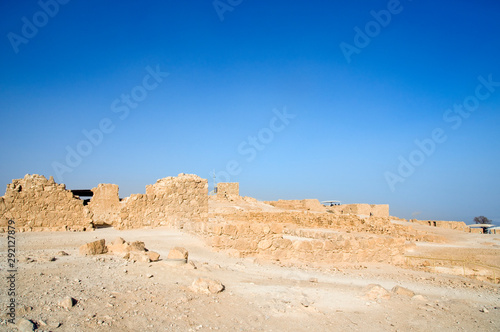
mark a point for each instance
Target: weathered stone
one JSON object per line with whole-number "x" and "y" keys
{"x": 105, "y": 204}
{"x": 265, "y": 244}
{"x": 25, "y": 325}
{"x": 375, "y": 292}
{"x": 67, "y": 303}
{"x": 402, "y": 291}
{"x": 93, "y": 248}
{"x": 178, "y": 253}
{"x": 139, "y": 256}
{"x": 419, "y": 297}
{"x": 207, "y": 286}
{"x": 153, "y": 256}
{"x": 36, "y": 203}
{"x": 137, "y": 246}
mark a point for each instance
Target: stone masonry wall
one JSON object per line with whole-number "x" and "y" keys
{"x": 105, "y": 205}
{"x": 169, "y": 201}
{"x": 375, "y": 210}
{"x": 304, "y": 204}
{"x": 38, "y": 204}
{"x": 285, "y": 242}
{"x": 228, "y": 190}
{"x": 458, "y": 225}
{"x": 345, "y": 223}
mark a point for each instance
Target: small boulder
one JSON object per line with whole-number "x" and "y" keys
{"x": 402, "y": 291}
{"x": 153, "y": 256}
{"x": 178, "y": 253}
{"x": 139, "y": 256}
{"x": 94, "y": 248}
{"x": 25, "y": 325}
{"x": 207, "y": 286}
{"x": 375, "y": 292}
{"x": 68, "y": 302}
{"x": 137, "y": 246}
{"x": 118, "y": 246}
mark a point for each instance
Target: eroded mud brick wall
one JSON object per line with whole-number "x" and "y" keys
{"x": 228, "y": 189}
{"x": 36, "y": 203}
{"x": 169, "y": 201}
{"x": 105, "y": 205}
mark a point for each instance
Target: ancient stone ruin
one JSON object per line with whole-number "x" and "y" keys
{"x": 283, "y": 230}
{"x": 38, "y": 204}
{"x": 228, "y": 190}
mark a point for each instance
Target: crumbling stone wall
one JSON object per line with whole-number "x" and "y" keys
{"x": 286, "y": 242}
{"x": 458, "y": 225}
{"x": 228, "y": 190}
{"x": 304, "y": 204}
{"x": 375, "y": 210}
{"x": 170, "y": 201}
{"x": 38, "y": 204}
{"x": 105, "y": 205}
{"x": 346, "y": 223}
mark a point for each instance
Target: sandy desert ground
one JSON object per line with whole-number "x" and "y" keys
{"x": 114, "y": 294}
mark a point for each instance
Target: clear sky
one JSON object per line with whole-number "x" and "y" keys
{"x": 359, "y": 101}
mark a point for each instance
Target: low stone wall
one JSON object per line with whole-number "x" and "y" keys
{"x": 304, "y": 205}
{"x": 285, "y": 242}
{"x": 228, "y": 190}
{"x": 458, "y": 225}
{"x": 375, "y": 210}
{"x": 169, "y": 201}
{"x": 38, "y": 204}
{"x": 345, "y": 223}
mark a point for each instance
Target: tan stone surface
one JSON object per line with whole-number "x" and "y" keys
{"x": 93, "y": 248}
{"x": 105, "y": 204}
{"x": 228, "y": 190}
{"x": 178, "y": 253}
{"x": 170, "y": 201}
{"x": 207, "y": 286}
{"x": 399, "y": 290}
{"x": 305, "y": 205}
{"x": 38, "y": 204}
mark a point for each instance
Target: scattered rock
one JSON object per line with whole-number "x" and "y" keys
{"x": 139, "y": 256}
{"x": 93, "y": 248}
{"x": 484, "y": 310}
{"x": 62, "y": 253}
{"x": 118, "y": 246}
{"x": 207, "y": 286}
{"x": 419, "y": 298}
{"x": 67, "y": 303}
{"x": 137, "y": 246}
{"x": 178, "y": 253}
{"x": 375, "y": 292}
{"x": 153, "y": 256}
{"x": 25, "y": 325}
{"x": 402, "y": 291}
{"x": 190, "y": 266}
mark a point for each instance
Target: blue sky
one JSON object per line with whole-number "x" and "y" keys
{"x": 262, "y": 92}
